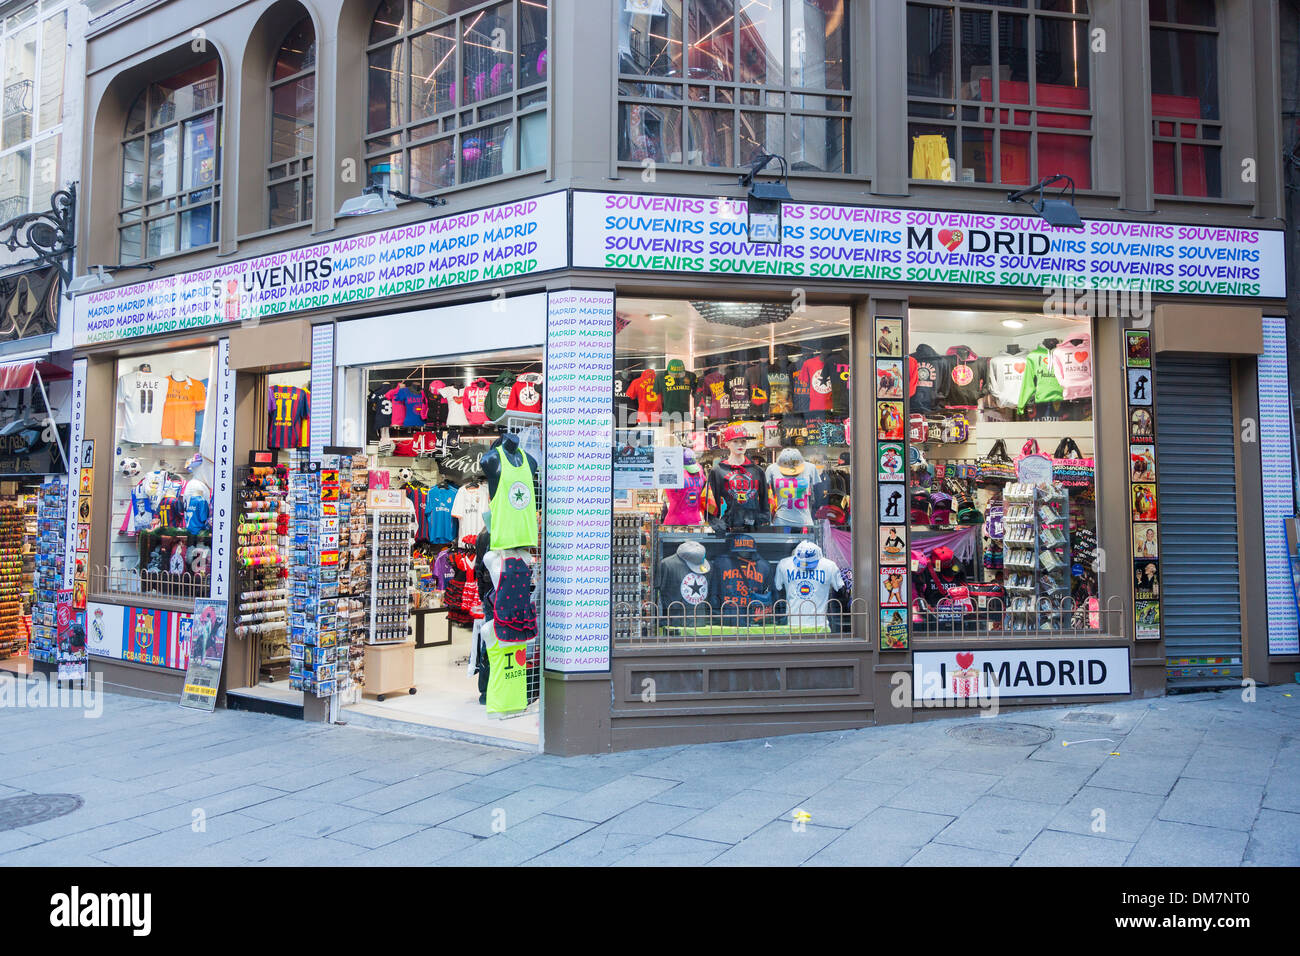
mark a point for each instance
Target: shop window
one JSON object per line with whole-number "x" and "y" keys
{"x": 161, "y": 504}
{"x": 739, "y": 78}
{"x": 34, "y": 51}
{"x": 1186, "y": 128}
{"x": 732, "y": 490}
{"x": 999, "y": 92}
{"x": 171, "y": 166}
{"x": 293, "y": 128}
{"x": 1001, "y": 475}
{"x": 457, "y": 92}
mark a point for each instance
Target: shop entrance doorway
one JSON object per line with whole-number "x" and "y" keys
{"x": 1196, "y": 496}
{"x": 455, "y": 445}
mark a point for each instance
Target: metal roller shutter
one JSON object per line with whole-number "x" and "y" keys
{"x": 1196, "y": 494}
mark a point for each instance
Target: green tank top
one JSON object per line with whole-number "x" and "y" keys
{"x": 513, "y": 507}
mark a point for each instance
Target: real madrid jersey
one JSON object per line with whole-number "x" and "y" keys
{"x": 808, "y": 591}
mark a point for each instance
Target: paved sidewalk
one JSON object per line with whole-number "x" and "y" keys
{"x": 1186, "y": 780}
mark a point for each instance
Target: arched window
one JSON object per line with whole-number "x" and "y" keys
{"x": 457, "y": 92}
{"x": 293, "y": 128}
{"x": 171, "y": 165}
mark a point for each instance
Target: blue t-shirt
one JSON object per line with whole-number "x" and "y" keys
{"x": 411, "y": 401}
{"x": 437, "y": 512}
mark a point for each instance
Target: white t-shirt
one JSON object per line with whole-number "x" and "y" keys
{"x": 142, "y": 396}
{"x": 808, "y": 591}
{"x": 455, "y": 410}
{"x": 468, "y": 507}
{"x": 1006, "y": 374}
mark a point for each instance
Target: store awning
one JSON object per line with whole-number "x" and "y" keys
{"x": 20, "y": 374}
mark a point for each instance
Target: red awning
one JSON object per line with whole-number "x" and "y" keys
{"x": 19, "y": 374}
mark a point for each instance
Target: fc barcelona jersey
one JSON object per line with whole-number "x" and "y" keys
{"x": 287, "y": 409}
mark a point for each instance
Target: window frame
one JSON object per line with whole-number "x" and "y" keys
{"x": 175, "y": 203}
{"x": 305, "y": 173}
{"x": 735, "y": 106}
{"x": 996, "y": 107}
{"x": 38, "y": 137}
{"x": 1176, "y": 140}
{"x": 447, "y": 125}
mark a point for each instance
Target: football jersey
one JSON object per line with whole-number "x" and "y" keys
{"x": 379, "y": 414}
{"x": 142, "y": 396}
{"x": 778, "y": 392}
{"x": 808, "y": 591}
{"x": 185, "y": 400}
{"x": 437, "y": 514}
{"x": 416, "y": 409}
{"x": 287, "y": 408}
{"x": 526, "y": 394}
{"x": 473, "y": 398}
{"x": 685, "y": 506}
{"x": 397, "y": 406}
{"x": 676, "y": 385}
{"x": 712, "y": 401}
{"x": 468, "y": 507}
{"x": 792, "y": 495}
{"x": 649, "y": 403}
{"x": 418, "y": 495}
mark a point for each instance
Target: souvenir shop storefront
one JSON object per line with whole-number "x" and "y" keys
{"x": 816, "y": 487}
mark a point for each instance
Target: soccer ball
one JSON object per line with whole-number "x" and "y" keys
{"x": 129, "y": 468}
{"x": 404, "y": 475}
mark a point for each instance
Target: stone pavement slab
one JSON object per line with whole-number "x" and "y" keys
{"x": 1055, "y": 848}
{"x": 1181, "y": 844}
{"x": 1108, "y": 814}
{"x": 1213, "y": 803}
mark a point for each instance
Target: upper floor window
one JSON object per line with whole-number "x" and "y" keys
{"x": 998, "y": 91}
{"x": 171, "y": 165}
{"x": 34, "y": 52}
{"x": 1186, "y": 127}
{"x": 457, "y": 92}
{"x": 293, "y": 128}
{"x": 713, "y": 82}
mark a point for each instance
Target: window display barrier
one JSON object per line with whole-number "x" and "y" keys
{"x": 1001, "y": 476}
{"x": 161, "y": 505}
{"x": 731, "y": 471}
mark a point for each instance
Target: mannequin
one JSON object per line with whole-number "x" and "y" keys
{"x": 737, "y": 486}
{"x": 684, "y": 505}
{"x": 683, "y": 586}
{"x": 511, "y": 474}
{"x": 808, "y": 580}
{"x": 791, "y": 482}
{"x": 1051, "y": 343}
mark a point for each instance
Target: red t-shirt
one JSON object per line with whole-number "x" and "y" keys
{"x": 814, "y": 374}
{"x": 649, "y": 403}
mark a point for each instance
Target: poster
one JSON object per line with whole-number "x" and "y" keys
{"x": 206, "y": 651}
{"x": 1137, "y": 348}
{"x": 634, "y": 459}
{"x": 1146, "y": 543}
{"x": 889, "y": 378}
{"x": 137, "y": 634}
{"x": 670, "y": 465}
{"x": 889, "y": 456}
{"x": 1146, "y": 579}
{"x": 889, "y": 337}
{"x": 70, "y": 624}
{"x": 893, "y": 629}
{"x": 889, "y": 425}
{"x": 1139, "y": 386}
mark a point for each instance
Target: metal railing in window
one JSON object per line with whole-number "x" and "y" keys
{"x": 136, "y": 583}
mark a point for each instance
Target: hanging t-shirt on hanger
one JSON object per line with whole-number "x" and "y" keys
{"x": 287, "y": 407}
{"x": 816, "y": 377}
{"x": 711, "y": 401}
{"x": 437, "y": 514}
{"x": 676, "y": 385}
{"x": 498, "y": 397}
{"x": 436, "y": 405}
{"x": 1040, "y": 383}
{"x": 759, "y": 389}
{"x": 778, "y": 391}
{"x": 1006, "y": 377}
{"x": 649, "y": 403}
{"x": 526, "y": 394}
{"x": 185, "y": 400}
{"x": 455, "y": 409}
{"x": 468, "y": 507}
{"x": 473, "y": 398}
{"x": 738, "y": 391}
{"x": 142, "y": 396}
{"x": 1072, "y": 365}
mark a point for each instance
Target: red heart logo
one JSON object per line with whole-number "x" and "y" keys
{"x": 950, "y": 238}
{"x": 1020, "y": 367}
{"x": 965, "y": 660}
{"x": 521, "y": 657}
{"x": 1081, "y": 357}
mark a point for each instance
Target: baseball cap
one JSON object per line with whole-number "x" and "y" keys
{"x": 734, "y": 433}
{"x": 806, "y": 554}
{"x": 790, "y": 461}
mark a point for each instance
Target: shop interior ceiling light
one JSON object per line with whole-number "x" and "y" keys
{"x": 745, "y": 315}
